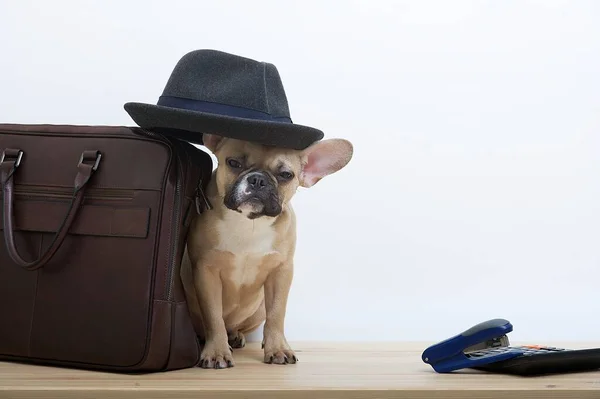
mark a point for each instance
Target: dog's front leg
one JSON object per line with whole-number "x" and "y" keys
{"x": 277, "y": 287}
{"x": 216, "y": 352}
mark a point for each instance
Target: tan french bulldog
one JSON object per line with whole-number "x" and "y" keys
{"x": 239, "y": 261}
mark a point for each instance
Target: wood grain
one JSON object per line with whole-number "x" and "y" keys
{"x": 349, "y": 371}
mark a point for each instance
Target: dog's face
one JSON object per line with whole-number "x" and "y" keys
{"x": 259, "y": 181}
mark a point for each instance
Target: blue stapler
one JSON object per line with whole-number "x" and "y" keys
{"x": 481, "y": 344}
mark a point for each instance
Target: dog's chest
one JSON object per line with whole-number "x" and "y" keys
{"x": 245, "y": 237}
{"x": 252, "y": 244}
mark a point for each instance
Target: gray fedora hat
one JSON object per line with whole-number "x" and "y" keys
{"x": 219, "y": 93}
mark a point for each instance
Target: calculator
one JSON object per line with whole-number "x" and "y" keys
{"x": 486, "y": 347}
{"x": 536, "y": 360}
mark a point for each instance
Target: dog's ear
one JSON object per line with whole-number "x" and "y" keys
{"x": 211, "y": 141}
{"x": 324, "y": 158}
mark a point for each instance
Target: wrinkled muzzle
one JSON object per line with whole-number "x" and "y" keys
{"x": 255, "y": 194}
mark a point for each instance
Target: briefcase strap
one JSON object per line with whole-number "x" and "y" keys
{"x": 9, "y": 163}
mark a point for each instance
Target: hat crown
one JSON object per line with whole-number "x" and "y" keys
{"x": 223, "y": 78}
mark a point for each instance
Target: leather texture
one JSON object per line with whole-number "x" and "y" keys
{"x": 94, "y": 225}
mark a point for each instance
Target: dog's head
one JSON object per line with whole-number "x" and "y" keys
{"x": 258, "y": 180}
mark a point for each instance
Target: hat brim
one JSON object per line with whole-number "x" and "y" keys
{"x": 189, "y": 125}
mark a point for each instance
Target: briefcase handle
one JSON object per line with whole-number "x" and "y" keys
{"x": 9, "y": 163}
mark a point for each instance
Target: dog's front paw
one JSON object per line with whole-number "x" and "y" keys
{"x": 282, "y": 356}
{"x": 279, "y": 354}
{"x": 216, "y": 356}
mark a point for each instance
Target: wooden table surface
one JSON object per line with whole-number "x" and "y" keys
{"x": 363, "y": 370}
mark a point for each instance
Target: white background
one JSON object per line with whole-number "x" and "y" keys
{"x": 474, "y": 192}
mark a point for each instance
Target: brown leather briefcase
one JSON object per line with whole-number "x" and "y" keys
{"x": 94, "y": 224}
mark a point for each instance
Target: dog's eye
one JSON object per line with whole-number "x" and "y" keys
{"x": 285, "y": 175}
{"x": 235, "y": 164}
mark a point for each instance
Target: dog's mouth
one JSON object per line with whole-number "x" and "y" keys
{"x": 254, "y": 195}
{"x": 253, "y": 207}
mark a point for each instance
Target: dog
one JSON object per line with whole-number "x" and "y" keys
{"x": 238, "y": 262}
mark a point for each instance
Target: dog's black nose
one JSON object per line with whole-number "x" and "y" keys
{"x": 257, "y": 181}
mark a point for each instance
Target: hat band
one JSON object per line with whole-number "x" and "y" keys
{"x": 220, "y": 109}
